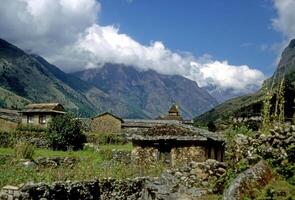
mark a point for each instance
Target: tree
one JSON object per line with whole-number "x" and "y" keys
{"x": 211, "y": 126}
{"x": 65, "y": 132}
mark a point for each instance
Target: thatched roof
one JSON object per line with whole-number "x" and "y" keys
{"x": 44, "y": 107}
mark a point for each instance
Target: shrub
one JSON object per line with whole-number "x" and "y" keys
{"x": 5, "y": 139}
{"x": 23, "y": 150}
{"x": 65, "y": 132}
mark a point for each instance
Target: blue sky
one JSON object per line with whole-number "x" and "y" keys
{"x": 238, "y": 31}
{"x": 228, "y": 45}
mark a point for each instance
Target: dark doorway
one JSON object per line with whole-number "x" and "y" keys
{"x": 165, "y": 153}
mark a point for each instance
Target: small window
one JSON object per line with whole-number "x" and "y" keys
{"x": 30, "y": 119}
{"x": 42, "y": 119}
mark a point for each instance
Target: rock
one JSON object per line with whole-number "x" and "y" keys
{"x": 254, "y": 178}
{"x": 27, "y": 164}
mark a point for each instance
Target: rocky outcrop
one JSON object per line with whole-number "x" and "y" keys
{"x": 254, "y": 178}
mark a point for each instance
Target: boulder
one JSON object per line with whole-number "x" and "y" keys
{"x": 255, "y": 177}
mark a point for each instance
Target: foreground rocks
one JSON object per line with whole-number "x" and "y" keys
{"x": 254, "y": 178}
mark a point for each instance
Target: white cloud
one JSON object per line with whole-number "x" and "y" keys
{"x": 285, "y": 20}
{"x": 66, "y": 33}
{"x": 46, "y": 25}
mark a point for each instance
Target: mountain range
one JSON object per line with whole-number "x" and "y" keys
{"x": 119, "y": 89}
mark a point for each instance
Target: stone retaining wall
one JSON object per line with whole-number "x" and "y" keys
{"x": 192, "y": 180}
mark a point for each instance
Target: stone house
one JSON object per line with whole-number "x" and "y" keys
{"x": 9, "y": 119}
{"x": 176, "y": 145}
{"x": 106, "y": 123}
{"x": 39, "y": 114}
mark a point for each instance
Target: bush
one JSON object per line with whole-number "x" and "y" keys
{"x": 65, "y": 132}
{"x": 23, "y": 150}
{"x": 106, "y": 138}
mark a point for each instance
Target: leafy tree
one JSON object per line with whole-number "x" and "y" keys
{"x": 65, "y": 132}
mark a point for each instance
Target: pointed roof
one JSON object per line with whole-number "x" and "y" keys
{"x": 108, "y": 113}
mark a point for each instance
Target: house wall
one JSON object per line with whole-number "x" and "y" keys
{"x": 36, "y": 119}
{"x": 106, "y": 124}
{"x": 184, "y": 155}
{"x": 144, "y": 155}
{"x": 6, "y": 125}
{"x": 179, "y": 155}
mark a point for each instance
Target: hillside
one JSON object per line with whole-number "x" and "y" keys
{"x": 245, "y": 104}
{"x": 34, "y": 79}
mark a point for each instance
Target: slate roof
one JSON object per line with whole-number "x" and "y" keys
{"x": 178, "y": 132}
{"x": 146, "y": 123}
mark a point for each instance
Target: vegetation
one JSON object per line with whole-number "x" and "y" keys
{"x": 93, "y": 164}
{"x": 23, "y": 150}
{"x": 105, "y": 138}
{"x": 65, "y": 132}
{"x": 278, "y": 188}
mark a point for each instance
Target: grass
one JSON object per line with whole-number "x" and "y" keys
{"x": 278, "y": 189}
{"x": 91, "y": 166}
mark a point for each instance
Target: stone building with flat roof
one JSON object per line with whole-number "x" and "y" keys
{"x": 176, "y": 145}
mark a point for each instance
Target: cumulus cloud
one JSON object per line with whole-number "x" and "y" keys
{"x": 66, "y": 32}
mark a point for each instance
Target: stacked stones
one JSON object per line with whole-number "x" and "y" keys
{"x": 56, "y": 161}
{"x": 199, "y": 174}
{"x": 121, "y": 156}
{"x": 273, "y": 146}
{"x": 55, "y": 191}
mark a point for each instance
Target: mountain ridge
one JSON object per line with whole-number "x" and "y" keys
{"x": 36, "y": 80}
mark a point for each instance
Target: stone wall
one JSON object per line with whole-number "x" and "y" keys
{"x": 106, "y": 124}
{"x": 121, "y": 156}
{"x": 184, "y": 155}
{"x": 191, "y": 182}
{"x": 144, "y": 156}
{"x": 106, "y": 189}
{"x": 179, "y": 156}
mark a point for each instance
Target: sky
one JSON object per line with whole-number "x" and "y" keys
{"x": 232, "y": 44}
